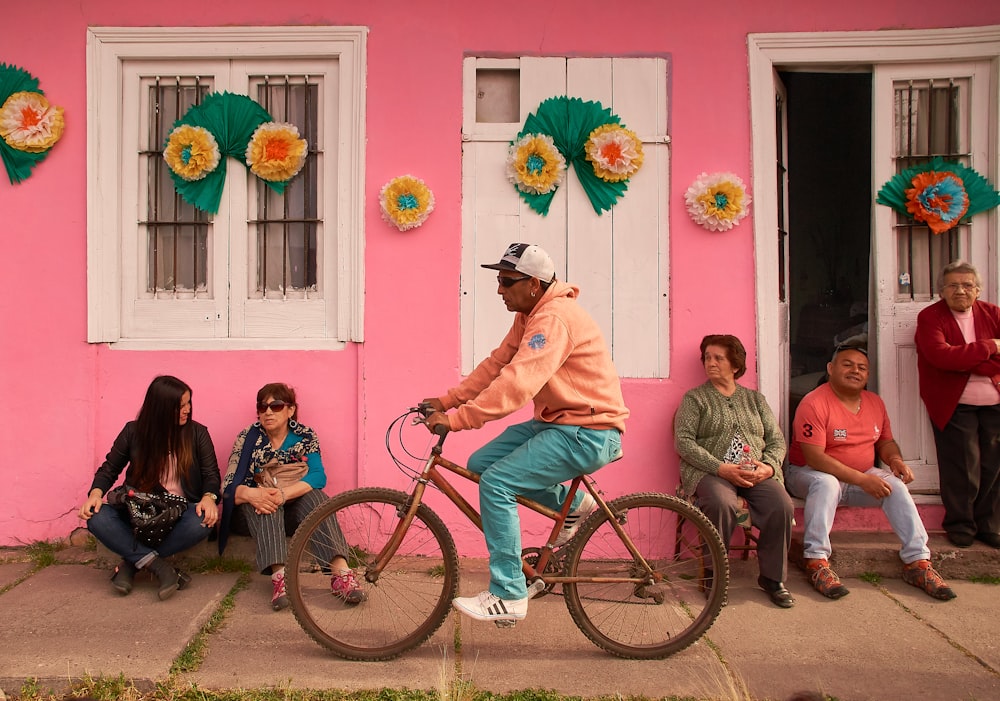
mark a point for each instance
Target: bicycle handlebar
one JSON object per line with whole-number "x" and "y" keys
{"x": 425, "y": 410}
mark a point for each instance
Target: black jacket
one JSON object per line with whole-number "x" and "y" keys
{"x": 203, "y": 478}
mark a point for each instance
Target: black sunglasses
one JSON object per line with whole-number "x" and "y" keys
{"x": 274, "y": 406}
{"x": 509, "y": 281}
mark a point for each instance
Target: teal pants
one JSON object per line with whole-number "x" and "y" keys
{"x": 531, "y": 459}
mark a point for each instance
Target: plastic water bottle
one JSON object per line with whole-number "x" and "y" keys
{"x": 746, "y": 462}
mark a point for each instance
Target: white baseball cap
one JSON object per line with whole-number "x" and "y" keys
{"x": 526, "y": 258}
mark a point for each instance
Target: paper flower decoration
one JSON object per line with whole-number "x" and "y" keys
{"x": 275, "y": 152}
{"x": 717, "y": 201}
{"x": 616, "y": 152}
{"x": 590, "y": 138}
{"x": 191, "y": 152}
{"x": 241, "y": 129}
{"x": 406, "y": 202}
{"x": 938, "y": 193}
{"x": 535, "y": 165}
{"x": 29, "y": 125}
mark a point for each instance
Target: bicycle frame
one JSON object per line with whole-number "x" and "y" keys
{"x": 430, "y": 474}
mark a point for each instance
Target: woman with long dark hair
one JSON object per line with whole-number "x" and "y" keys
{"x": 165, "y": 451}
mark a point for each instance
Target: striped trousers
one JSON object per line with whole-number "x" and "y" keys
{"x": 270, "y": 531}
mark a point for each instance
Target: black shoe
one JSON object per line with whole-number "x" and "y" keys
{"x": 961, "y": 540}
{"x": 991, "y": 539}
{"x": 123, "y": 577}
{"x": 166, "y": 575}
{"x": 779, "y": 595}
{"x": 183, "y": 580}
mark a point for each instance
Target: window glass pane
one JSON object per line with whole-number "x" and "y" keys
{"x": 287, "y": 225}
{"x": 176, "y": 233}
{"x": 931, "y": 119}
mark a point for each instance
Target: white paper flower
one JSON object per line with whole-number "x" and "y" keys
{"x": 717, "y": 201}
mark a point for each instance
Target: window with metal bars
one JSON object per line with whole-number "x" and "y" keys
{"x": 176, "y": 232}
{"x": 286, "y": 225}
{"x": 267, "y": 270}
{"x": 931, "y": 119}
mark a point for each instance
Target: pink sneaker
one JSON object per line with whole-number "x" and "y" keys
{"x": 345, "y": 586}
{"x": 279, "y": 600}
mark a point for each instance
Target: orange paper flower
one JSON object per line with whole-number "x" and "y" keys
{"x": 275, "y": 152}
{"x": 29, "y": 123}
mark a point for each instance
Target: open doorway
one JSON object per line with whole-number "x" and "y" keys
{"x": 829, "y": 118}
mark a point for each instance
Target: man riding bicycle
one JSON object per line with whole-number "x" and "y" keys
{"x": 554, "y": 355}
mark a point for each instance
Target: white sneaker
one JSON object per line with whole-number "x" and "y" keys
{"x": 574, "y": 518}
{"x": 490, "y": 607}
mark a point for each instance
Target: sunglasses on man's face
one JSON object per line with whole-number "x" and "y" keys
{"x": 509, "y": 281}
{"x": 274, "y": 406}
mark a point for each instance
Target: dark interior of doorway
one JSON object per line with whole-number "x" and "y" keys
{"x": 829, "y": 219}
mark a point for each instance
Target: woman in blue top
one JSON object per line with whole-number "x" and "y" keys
{"x": 271, "y": 514}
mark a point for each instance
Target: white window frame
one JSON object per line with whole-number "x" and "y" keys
{"x": 110, "y": 214}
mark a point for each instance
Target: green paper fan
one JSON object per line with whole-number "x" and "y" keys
{"x": 569, "y": 121}
{"x": 17, "y": 163}
{"x": 981, "y": 194}
{"x": 232, "y": 119}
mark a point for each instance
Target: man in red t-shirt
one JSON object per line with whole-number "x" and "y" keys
{"x": 839, "y": 430}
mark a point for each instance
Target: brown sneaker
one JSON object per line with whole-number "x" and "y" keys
{"x": 824, "y": 579}
{"x": 921, "y": 574}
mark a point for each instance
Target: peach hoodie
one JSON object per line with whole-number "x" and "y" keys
{"x": 555, "y": 356}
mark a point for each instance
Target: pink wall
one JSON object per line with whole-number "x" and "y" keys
{"x": 66, "y": 400}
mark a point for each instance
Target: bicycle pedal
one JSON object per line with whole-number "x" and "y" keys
{"x": 536, "y": 588}
{"x": 509, "y": 623}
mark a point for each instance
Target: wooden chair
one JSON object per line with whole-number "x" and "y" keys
{"x": 742, "y": 519}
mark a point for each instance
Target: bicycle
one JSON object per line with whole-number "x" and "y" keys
{"x": 643, "y": 578}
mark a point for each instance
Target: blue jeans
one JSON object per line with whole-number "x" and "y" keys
{"x": 111, "y": 526}
{"x": 824, "y": 493}
{"x": 531, "y": 459}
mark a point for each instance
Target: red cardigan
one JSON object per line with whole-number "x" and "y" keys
{"x": 945, "y": 361}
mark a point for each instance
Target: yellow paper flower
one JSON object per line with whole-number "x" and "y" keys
{"x": 191, "y": 152}
{"x": 535, "y": 165}
{"x": 29, "y": 123}
{"x": 276, "y": 152}
{"x": 615, "y": 151}
{"x": 406, "y": 202}
{"x": 718, "y": 201}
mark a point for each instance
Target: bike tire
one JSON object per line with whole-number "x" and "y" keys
{"x": 408, "y": 601}
{"x": 691, "y": 571}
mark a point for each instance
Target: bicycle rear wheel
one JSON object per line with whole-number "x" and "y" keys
{"x": 680, "y": 599}
{"x": 406, "y": 603}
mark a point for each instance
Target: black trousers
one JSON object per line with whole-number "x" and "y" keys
{"x": 968, "y": 453}
{"x": 770, "y": 512}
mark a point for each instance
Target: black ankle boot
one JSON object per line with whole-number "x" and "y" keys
{"x": 166, "y": 575}
{"x": 123, "y": 576}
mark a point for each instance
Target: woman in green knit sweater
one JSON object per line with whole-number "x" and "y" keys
{"x": 730, "y": 447}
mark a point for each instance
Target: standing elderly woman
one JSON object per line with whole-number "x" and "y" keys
{"x": 958, "y": 362}
{"x": 714, "y": 425}
{"x": 271, "y": 513}
{"x": 165, "y": 451}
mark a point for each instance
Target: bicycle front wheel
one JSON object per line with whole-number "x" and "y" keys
{"x": 681, "y": 593}
{"x": 406, "y": 602}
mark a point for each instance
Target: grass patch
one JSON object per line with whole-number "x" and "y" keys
{"x": 870, "y": 577}
{"x": 984, "y": 579}
{"x": 43, "y": 552}
{"x": 193, "y": 655}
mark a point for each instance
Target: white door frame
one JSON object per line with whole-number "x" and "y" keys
{"x": 767, "y": 52}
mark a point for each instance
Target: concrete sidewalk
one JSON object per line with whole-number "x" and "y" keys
{"x": 885, "y": 641}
